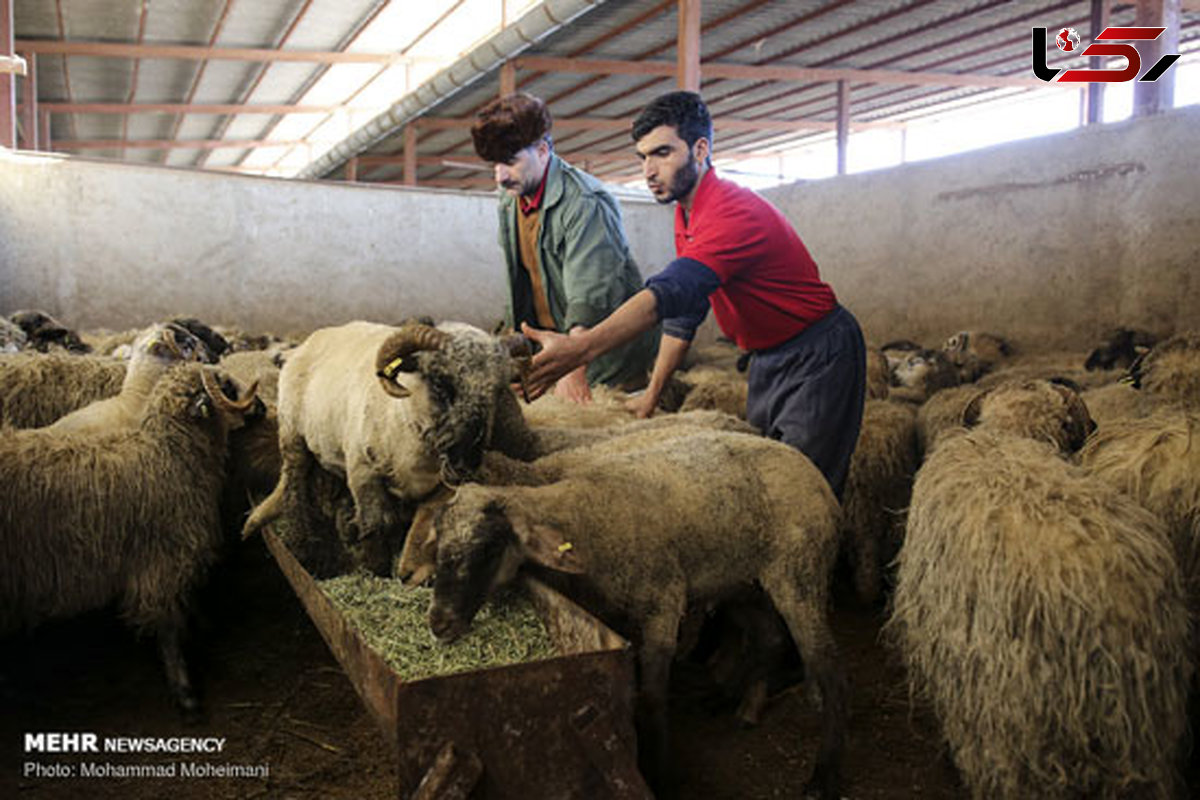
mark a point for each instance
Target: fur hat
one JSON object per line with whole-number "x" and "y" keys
{"x": 509, "y": 124}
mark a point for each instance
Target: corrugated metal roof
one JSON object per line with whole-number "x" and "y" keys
{"x": 980, "y": 37}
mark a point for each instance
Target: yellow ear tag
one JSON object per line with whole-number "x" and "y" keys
{"x": 565, "y": 546}
{"x": 393, "y": 367}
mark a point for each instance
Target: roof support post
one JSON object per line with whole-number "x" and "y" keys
{"x": 843, "y": 124}
{"x": 508, "y": 78}
{"x": 29, "y": 115}
{"x": 1095, "y": 91}
{"x": 687, "y": 71}
{"x": 8, "y": 80}
{"x": 352, "y": 170}
{"x": 1156, "y": 96}
{"x": 44, "y": 138}
{"x": 410, "y": 154}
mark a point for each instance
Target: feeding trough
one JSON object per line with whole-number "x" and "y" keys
{"x": 558, "y": 727}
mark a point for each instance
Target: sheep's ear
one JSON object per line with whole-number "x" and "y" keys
{"x": 418, "y": 559}
{"x": 546, "y": 545}
{"x": 970, "y": 415}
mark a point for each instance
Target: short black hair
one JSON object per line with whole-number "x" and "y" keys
{"x": 683, "y": 111}
{"x": 508, "y": 125}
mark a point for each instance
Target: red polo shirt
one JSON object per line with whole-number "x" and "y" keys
{"x": 770, "y": 286}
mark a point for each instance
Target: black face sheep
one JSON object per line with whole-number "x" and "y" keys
{"x": 1120, "y": 348}
{"x": 1042, "y": 614}
{"x": 127, "y": 516}
{"x": 638, "y": 536}
{"x": 45, "y": 334}
{"x": 397, "y": 411}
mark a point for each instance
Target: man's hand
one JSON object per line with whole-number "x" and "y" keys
{"x": 574, "y": 387}
{"x": 642, "y": 405}
{"x": 559, "y": 355}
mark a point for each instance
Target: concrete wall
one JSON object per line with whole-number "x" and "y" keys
{"x": 112, "y": 245}
{"x": 1049, "y": 241}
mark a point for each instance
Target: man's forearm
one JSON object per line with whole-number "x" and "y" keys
{"x": 635, "y": 316}
{"x": 671, "y": 352}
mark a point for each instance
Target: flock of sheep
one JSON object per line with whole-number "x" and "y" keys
{"x": 1033, "y": 521}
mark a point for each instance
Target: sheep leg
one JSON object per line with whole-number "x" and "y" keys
{"x": 293, "y": 480}
{"x": 170, "y": 649}
{"x": 659, "y": 636}
{"x": 803, "y": 607}
{"x": 377, "y": 519}
{"x": 865, "y": 548}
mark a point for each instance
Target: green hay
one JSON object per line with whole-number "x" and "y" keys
{"x": 392, "y": 620}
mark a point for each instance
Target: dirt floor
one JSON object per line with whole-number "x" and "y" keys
{"x": 278, "y": 697}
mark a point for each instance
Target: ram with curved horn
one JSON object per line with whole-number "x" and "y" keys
{"x": 396, "y": 411}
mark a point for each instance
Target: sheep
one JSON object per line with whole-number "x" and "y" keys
{"x": 1170, "y": 371}
{"x": 154, "y": 352}
{"x": 37, "y": 389}
{"x": 1063, "y": 365}
{"x": 716, "y": 389}
{"x": 1156, "y": 461}
{"x": 877, "y": 490}
{"x": 879, "y": 374}
{"x": 568, "y": 449}
{"x": 1118, "y": 401}
{"x": 975, "y": 353}
{"x": 637, "y": 535}
{"x": 1041, "y": 613}
{"x": 1039, "y": 409}
{"x": 942, "y": 412}
{"x": 395, "y": 411}
{"x": 256, "y": 365}
{"x": 44, "y": 333}
{"x": 12, "y": 337}
{"x": 127, "y": 515}
{"x": 920, "y": 374}
{"x": 1120, "y": 348}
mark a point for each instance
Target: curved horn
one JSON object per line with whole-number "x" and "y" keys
{"x": 214, "y": 390}
{"x": 970, "y": 414}
{"x": 520, "y": 347}
{"x": 168, "y": 338}
{"x": 1081, "y": 423}
{"x": 413, "y": 337}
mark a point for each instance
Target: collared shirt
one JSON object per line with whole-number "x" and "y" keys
{"x": 740, "y": 252}
{"x": 532, "y": 204}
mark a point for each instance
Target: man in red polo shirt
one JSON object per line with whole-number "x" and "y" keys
{"x": 739, "y": 254}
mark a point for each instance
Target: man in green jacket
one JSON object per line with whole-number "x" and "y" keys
{"x": 569, "y": 264}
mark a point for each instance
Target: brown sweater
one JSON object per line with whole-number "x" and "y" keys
{"x": 528, "y": 226}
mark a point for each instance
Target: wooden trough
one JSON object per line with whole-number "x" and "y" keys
{"x": 560, "y": 727}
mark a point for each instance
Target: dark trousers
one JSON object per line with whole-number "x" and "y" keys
{"x": 809, "y": 392}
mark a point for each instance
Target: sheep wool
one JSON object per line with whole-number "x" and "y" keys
{"x": 1043, "y": 615}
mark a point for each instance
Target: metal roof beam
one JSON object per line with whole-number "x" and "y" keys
{"x": 624, "y": 124}
{"x": 183, "y": 108}
{"x": 169, "y": 144}
{"x": 198, "y": 53}
{"x": 779, "y": 74}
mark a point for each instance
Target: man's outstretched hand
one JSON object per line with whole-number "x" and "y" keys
{"x": 559, "y": 355}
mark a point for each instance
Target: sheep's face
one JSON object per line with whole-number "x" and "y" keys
{"x": 462, "y": 372}
{"x": 477, "y": 551}
{"x": 164, "y": 344}
{"x": 924, "y": 369}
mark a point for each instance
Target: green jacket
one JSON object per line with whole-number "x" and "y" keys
{"x": 587, "y": 268}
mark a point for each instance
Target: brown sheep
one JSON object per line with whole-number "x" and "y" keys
{"x": 877, "y": 492}
{"x": 1042, "y": 613}
{"x": 655, "y": 529}
{"x": 1170, "y": 372}
{"x": 127, "y": 516}
{"x": 37, "y": 389}
{"x": 975, "y": 353}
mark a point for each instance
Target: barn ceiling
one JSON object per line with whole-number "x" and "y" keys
{"x": 335, "y": 88}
